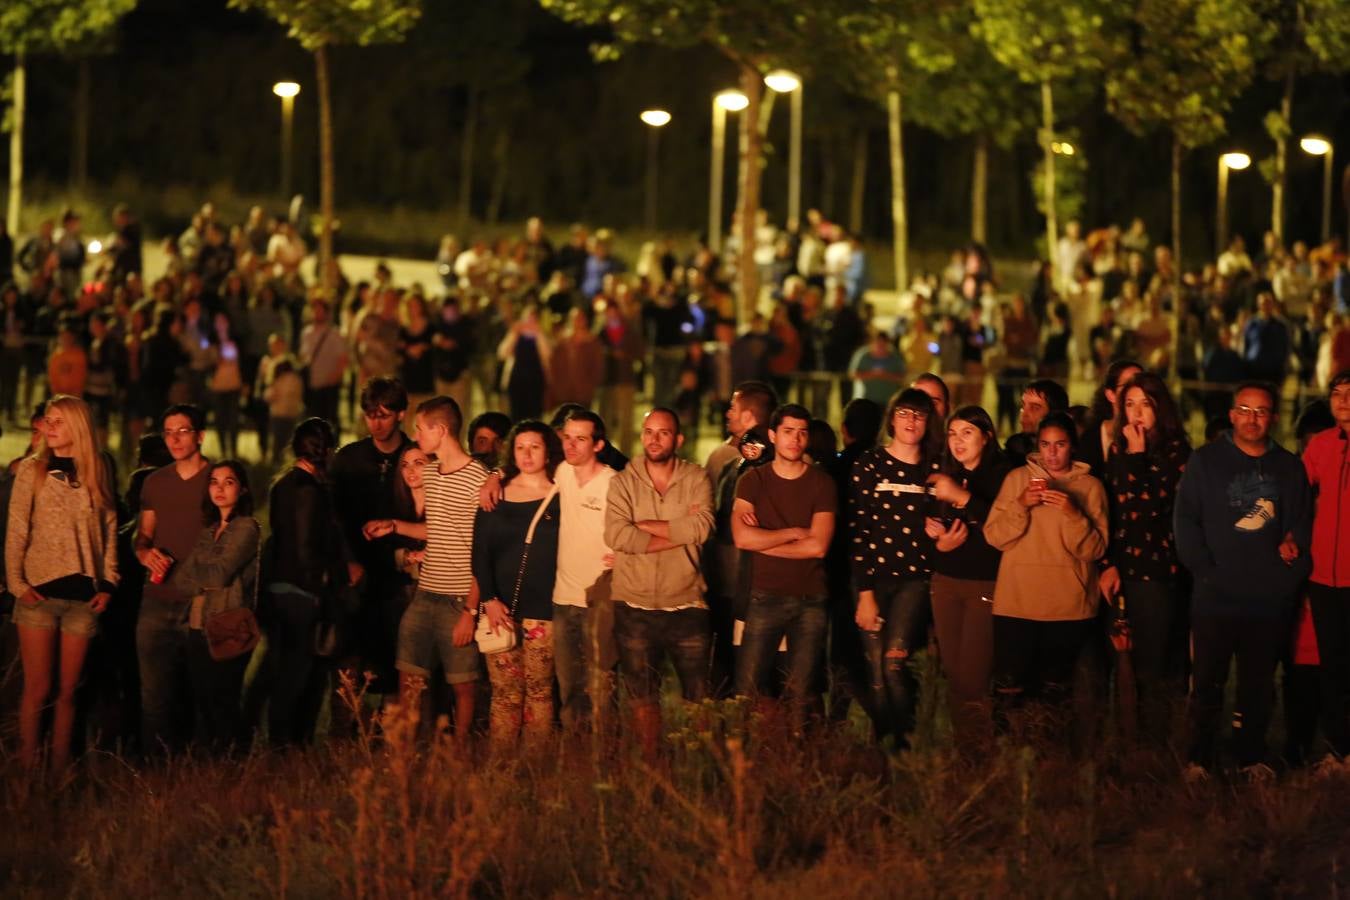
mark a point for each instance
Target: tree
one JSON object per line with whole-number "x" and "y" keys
{"x": 31, "y": 27}
{"x": 1189, "y": 60}
{"x": 1045, "y": 42}
{"x": 753, "y": 35}
{"x": 318, "y": 25}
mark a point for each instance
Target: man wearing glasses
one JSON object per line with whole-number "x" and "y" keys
{"x": 171, "y": 519}
{"x": 1243, "y": 521}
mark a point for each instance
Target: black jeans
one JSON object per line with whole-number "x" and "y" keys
{"x": 1257, "y": 645}
{"x": 294, "y": 677}
{"x": 889, "y": 653}
{"x": 1151, "y": 607}
{"x": 1331, "y": 618}
{"x": 801, "y": 619}
{"x": 161, "y": 650}
{"x": 1035, "y": 660}
{"x": 646, "y": 636}
{"x": 216, "y": 690}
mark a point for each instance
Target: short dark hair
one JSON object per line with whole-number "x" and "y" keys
{"x": 1264, "y": 386}
{"x": 1056, "y": 398}
{"x": 194, "y": 415}
{"x": 789, "y": 411}
{"x": 314, "y": 441}
{"x": 383, "y": 391}
{"x": 934, "y": 378}
{"x": 862, "y": 418}
{"x": 444, "y": 411}
{"x": 587, "y": 415}
{"x": 757, "y": 397}
{"x": 1315, "y": 417}
{"x": 1064, "y": 422}
{"x": 561, "y": 414}
{"x": 666, "y": 411}
{"x": 1340, "y": 378}
{"x": 242, "y": 507}
{"x": 552, "y": 447}
{"x": 497, "y": 422}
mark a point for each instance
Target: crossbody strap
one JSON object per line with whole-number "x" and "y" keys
{"x": 529, "y": 539}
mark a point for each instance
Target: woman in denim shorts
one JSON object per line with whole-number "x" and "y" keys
{"x": 61, "y": 564}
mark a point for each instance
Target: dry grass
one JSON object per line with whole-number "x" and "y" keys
{"x": 731, "y": 812}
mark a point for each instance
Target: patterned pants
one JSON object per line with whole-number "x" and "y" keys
{"x": 522, "y": 688}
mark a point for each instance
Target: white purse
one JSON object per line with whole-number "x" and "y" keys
{"x": 491, "y": 640}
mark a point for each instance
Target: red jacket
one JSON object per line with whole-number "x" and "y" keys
{"x": 1327, "y": 460}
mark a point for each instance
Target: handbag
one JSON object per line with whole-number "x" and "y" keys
{"x": 231, "y": 633}
{"x": 492, "y": 641}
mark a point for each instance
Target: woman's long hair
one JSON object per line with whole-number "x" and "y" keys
{"x": 1167, "y": 427}
{"x": 975, "y": 415}
{"x": 1101, "y": 407}
{"x": 242, "y": 507}
{"x": 935, "y": 430}
{"x": 89, "y": 465}
{"x": 552, "y": 447}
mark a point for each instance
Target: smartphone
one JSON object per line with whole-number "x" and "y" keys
{"x": 1038, "y": 484}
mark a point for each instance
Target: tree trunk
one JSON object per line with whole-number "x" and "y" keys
{"x": 1282, "y": 157}
{"x": 79, "y": 144}
{"x": 466, "y": 157}
{"x": 1177, "y": 152}
{"x": 1047, "y": 138}
{"x": 752, "y": 141}
{"x": 899, "y": 216}
{"x": 17, "y": 104}
{"x": 327, "y": 271}
{"x": 857, "y": 192}
{"x": 979, "y": 192}
{"x": 500, "y": 148}
{"x": 829, "y": 175}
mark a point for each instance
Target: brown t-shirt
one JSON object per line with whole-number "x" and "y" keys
{"x": 177, "y": 505}
{"x": 783, "y": 503}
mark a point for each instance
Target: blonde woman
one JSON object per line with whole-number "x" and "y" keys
{"x": 61, "y": 563}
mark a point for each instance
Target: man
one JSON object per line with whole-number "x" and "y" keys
{"x": 69, "y": 247}
{"x": 1039, "y": 399}
{"x": 1327, "y": 462}
{"x": 1265, "y": 343}
{"x": 752, "y": 403}
{"x": 487, "y": 432}
{"x": 171, "y": 520}
{"x": 323, "y": 353}
{"x": 784, "y": 516}
{"x": 363, "y": 475}
{"x": 658, "y": 515}
{"x": 438, "y": 626}
{"x": 877, "y": 369}
{"x": 1242, "y": 523}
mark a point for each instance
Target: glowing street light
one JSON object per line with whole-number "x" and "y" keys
{"x": 1317, "y": 145}
{"x": 1236, "y": 162}
{"x": 1063, "y": 148}
{"x": 655, "y": 119}
{"x": 287, "y": 91}
{"x": 782, "y": 81}
{"x": 723, "y": 103}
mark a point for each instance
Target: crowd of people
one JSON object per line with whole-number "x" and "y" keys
{"x": 533, "y": 568}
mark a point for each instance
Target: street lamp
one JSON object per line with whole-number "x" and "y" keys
{"x": 286, "y": 90}
{"x": 1319, "y": 146}
{"x": 1236, "y": 162}
{"x": 723, "y": 103}
{"x": 655, "y": 119}
{"x": 1063, "y": 148}
{"x": 782, "y": 81}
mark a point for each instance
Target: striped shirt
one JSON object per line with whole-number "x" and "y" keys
{"x": 452, "y": 503}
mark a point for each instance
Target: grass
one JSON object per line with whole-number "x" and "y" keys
{"x": 733, "y": 810}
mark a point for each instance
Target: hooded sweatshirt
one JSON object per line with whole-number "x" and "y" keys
{"x": 667, "y": 579}
{"x": 1232, "y": 513}
{"x": 1047, "y": 573}
{"x": 1327, "y": 461}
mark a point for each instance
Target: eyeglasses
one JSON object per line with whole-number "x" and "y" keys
{"x": 1260, "y": 412}
{"x": 907, "y": 413}
{"x": 179, "y": 432}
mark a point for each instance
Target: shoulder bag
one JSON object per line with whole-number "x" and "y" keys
{"x": 231, "y": 633}
{"x": 491, "y": 641}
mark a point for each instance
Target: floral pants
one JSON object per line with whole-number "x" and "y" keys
{"x": 522, "y": 687}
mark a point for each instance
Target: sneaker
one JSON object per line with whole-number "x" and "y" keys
{"x": 1329, "y": 767}
{"x": 1194, "y": 774}
{"x": 1262, "y": 511}
{"x": 1257, "y": 773}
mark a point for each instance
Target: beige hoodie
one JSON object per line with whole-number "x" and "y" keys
{"x": 1047, "y": 572}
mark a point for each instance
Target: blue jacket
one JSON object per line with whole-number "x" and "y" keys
{"x": 1232, "y": 513}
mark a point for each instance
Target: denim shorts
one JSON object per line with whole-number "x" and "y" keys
{"x": 72, "y": 617}
{"x": 426, "y": 637}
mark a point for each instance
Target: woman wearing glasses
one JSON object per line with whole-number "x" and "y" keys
{"x": 890, "y": 553}
{"x": 61, "y": 564}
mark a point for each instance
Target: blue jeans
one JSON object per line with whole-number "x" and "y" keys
{"x": 646, "y": 636}
{"x": 894, "y": 688}
{"x": 572, "y": 663}
{"x": 802, "y": 619}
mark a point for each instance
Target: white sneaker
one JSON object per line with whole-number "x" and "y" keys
{"x": 1195, "y": 774}
{"x": 1262, "y": 511}
{"x": 1258, "y": 773}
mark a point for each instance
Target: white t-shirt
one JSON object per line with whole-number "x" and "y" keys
{"x": 581, "y": 535}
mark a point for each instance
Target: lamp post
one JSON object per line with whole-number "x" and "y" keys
{"x": 782, "y": 81}
{"x": 723, "y": 103}
{"x": 1320, "y": 146}
{"x": 655, "y": 120}
{"x": 286, "y": 90}
{"x": 1063, "y": 148}
{"x": 1227, "y": 161}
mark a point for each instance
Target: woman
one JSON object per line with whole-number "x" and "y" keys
{"x": 220, "y": 573}
{"x": 965, "y": 568}
{"x": 525, "y": 354}
{"x": 227, "y": 383}
{"x": 306, "y": 570}
{"x": 416, "y": 361}
{"x": 891, "y": 556}
{"x": 409, "y": 506}
{"x": 1050, "y": 522}
{"x": 61, "y": 564}
{"x": 1101, "y": 430}
{"x": 514, "y": 576}
{"x": 1142, "y": 472}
